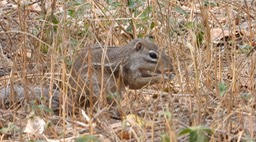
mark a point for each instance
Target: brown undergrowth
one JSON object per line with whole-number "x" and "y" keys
{"x": 212, "y": 45}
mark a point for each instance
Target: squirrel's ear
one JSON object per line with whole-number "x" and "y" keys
{"x": 138, "y": 46}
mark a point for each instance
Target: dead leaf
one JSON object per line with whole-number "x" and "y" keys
{"x": 35, "y": 125}
{"x": 217, "y": 34}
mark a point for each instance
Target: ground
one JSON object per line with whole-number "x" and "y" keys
{"x": 211, "y": 98}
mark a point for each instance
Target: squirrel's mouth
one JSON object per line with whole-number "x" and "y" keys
{"x": 148, "y": 73}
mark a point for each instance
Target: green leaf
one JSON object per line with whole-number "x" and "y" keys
{"x": 222, "y": 88}
{"x": 193, "y": 136}
{"x": 245, "y": 48}
{"x": 199, "y": 38}
{"x": 165, "y": 138}
{"x": 140, "y": 35}
{"x": 79, "y": 2}
{"x": 44, "y": 108}
{"x": 185, "y": 131}
{"x": 11, "y": 127}
{"x": 246, "y": 96}
{"x": 44, "y": 48}
{"x": 248, "y": 47}
{"x": 54, "y": 19}
{"x": 146, "y": 12}
{"x": 71, "y": 13}
{"x": 190, "y": 25}
{"x": 208, "y": 3}
{"x": 89, "y": 138}
{"x": 132, "y": 4}
{"x": 196, "y": 134}
{"x": 116, "y": 4}
{"x": 109, "y": 2}
{"x": 129, "y": 28}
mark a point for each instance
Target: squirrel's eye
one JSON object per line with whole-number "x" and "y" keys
{"x": 153, "y": 54}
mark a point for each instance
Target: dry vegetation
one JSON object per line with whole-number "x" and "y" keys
{"x": 212, "y": 97}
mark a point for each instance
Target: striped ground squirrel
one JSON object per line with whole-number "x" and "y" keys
{"x": 107, "y": 70}
{"x": 111, "y": 69}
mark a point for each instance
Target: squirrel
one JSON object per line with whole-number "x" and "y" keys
{"x": 135, "y": 65}
{"x": 109, "y": 70}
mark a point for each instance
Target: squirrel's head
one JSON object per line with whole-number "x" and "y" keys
{"x": 149, "y": 59}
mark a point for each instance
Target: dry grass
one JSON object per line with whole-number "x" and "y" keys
{"x": 211, "y": 44}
